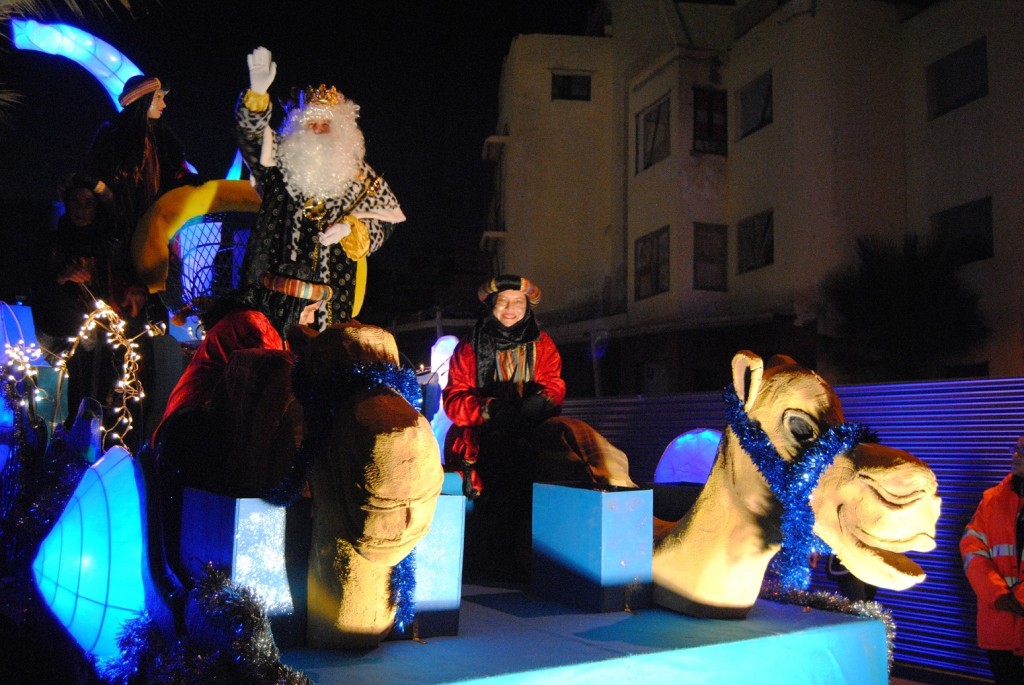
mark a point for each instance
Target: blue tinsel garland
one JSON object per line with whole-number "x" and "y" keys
{"x": 227, "y": 640}
{"x": 792, "y": 482}
{"x": 366, "y": 376}
{"x": 403, "y": 584}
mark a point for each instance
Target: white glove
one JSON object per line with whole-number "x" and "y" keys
{"x": 334, "y": 233}
{"x": 262, "y": 70}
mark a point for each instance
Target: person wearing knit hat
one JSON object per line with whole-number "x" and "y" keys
{"x": 504, "y": 396}
{"x": 137, "y": 156}
{"x": 517, "y": 283}
{"x": 138, "y": 86}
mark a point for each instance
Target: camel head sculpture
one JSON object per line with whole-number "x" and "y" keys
{"x": 791, "y": 475}
{"x": 375, "y": 479}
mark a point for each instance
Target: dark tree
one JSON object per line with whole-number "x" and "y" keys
{"x": 903, "y": 312}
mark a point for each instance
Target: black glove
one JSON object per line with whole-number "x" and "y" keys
{"x": 534, "y": 409}
{"x": 501, "y": 414}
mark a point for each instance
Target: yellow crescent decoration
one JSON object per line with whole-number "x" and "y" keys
{"x": 174, "y": 208}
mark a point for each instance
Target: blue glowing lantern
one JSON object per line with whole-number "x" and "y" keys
{"x": 235, "y": 170}
{"x": 440, "y": 353}
{"x": 101, "y": 59}
{"x": 689, "y": 457}
{"x": 89, "y": 568}
{"x": 6, "y": 432}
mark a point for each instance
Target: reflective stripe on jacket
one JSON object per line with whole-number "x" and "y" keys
{"x": 992, "y": 566}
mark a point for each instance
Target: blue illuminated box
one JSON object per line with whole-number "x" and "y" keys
{"x": 257, "y": 544}
{"x": 266, "y": 548}
{"x": 438, "y": 562}
{"x": 592, "y": 548}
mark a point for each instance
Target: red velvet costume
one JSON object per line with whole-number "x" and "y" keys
{"x": 243, "y": 329}
{"x": 465, "y": 403}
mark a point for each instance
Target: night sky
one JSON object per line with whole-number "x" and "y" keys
{"x": 424, "y": 73}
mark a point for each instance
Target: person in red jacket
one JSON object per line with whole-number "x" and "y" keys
{"x": 991, "y": 550}
{"x": 504, "y": 398}
{"x": 503, "y": 382}
{"x": 507, "y": 377}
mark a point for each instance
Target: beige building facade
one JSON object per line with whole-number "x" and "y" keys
{"x": 682, "y": 184}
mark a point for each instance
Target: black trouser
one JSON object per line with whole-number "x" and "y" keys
{"x": 498, "y": 544}
{"x": 1007, "y": 667}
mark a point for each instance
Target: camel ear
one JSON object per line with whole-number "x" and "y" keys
{"x": 742, "y": 362}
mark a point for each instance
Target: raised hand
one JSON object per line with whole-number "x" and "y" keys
{"x": 262, "y": 70}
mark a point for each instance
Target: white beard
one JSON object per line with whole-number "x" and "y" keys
{"x": 321, "y": 164}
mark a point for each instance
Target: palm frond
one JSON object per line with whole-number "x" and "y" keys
{"x": 9, "y": 8}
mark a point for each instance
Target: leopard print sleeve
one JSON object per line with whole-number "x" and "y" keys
{"x": 249, "y": 128}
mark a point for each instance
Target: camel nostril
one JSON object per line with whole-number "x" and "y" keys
{"x": 900, "y": 488}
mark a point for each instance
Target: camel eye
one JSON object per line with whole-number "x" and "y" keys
{"x": 800, "y": 428}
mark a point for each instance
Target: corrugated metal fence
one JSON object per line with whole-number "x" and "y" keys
{"x": 963, "y": 429}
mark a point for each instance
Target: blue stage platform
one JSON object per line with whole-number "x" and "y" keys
{"x": 507, "y": 636}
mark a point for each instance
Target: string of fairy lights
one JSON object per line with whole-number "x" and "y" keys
{"x": 128, "y": 388}
{"x": 102, "y": 324}
{"x": 19, "y": 374}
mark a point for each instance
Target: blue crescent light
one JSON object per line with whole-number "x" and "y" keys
{"x": 101, "y": 59}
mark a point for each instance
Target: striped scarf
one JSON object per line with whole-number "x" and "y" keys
{"x": 505, "y": 354}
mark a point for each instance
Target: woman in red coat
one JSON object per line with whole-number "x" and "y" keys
{"x": 506, "y": 378}
{"x": 504, "y": 397}
{"x": 503, "y": 382}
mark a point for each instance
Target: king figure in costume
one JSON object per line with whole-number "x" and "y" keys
{"x": 323, "y": 208}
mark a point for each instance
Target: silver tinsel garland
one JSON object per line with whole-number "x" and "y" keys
{"x": 828, "y": 601}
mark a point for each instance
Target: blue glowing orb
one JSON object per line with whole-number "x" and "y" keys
{"x": 89, "y": 568}
{"x": 688, "y": 458}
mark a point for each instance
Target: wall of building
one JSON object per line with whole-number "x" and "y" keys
{"x": 829, "y": 165}
{"x": 849, "y": 152}
{"x": 559, "y": 202}
{"x": 974, "y": 151}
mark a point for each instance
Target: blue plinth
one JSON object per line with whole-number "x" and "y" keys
{"x": 257, "y": 544}
{"x": 506, "y": 638}
{"x": 592, "y": 548}
{"x": 438, "y": 562}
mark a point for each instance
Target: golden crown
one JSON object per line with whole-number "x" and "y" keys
{"x": 321, "y": 96}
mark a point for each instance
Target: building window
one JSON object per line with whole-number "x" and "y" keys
{"x": 570, "y": 86}
{"x": 755, "y": 241}
{"x": 967, "y": 230}
{"x": 710, "y": 253}
{"x": 652, "y": 263}
{"x": 652, "y": 134}
{"x": 958, "y": 78}
{"x": 709, "y": 132}
{"x": 756, "y": 105}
